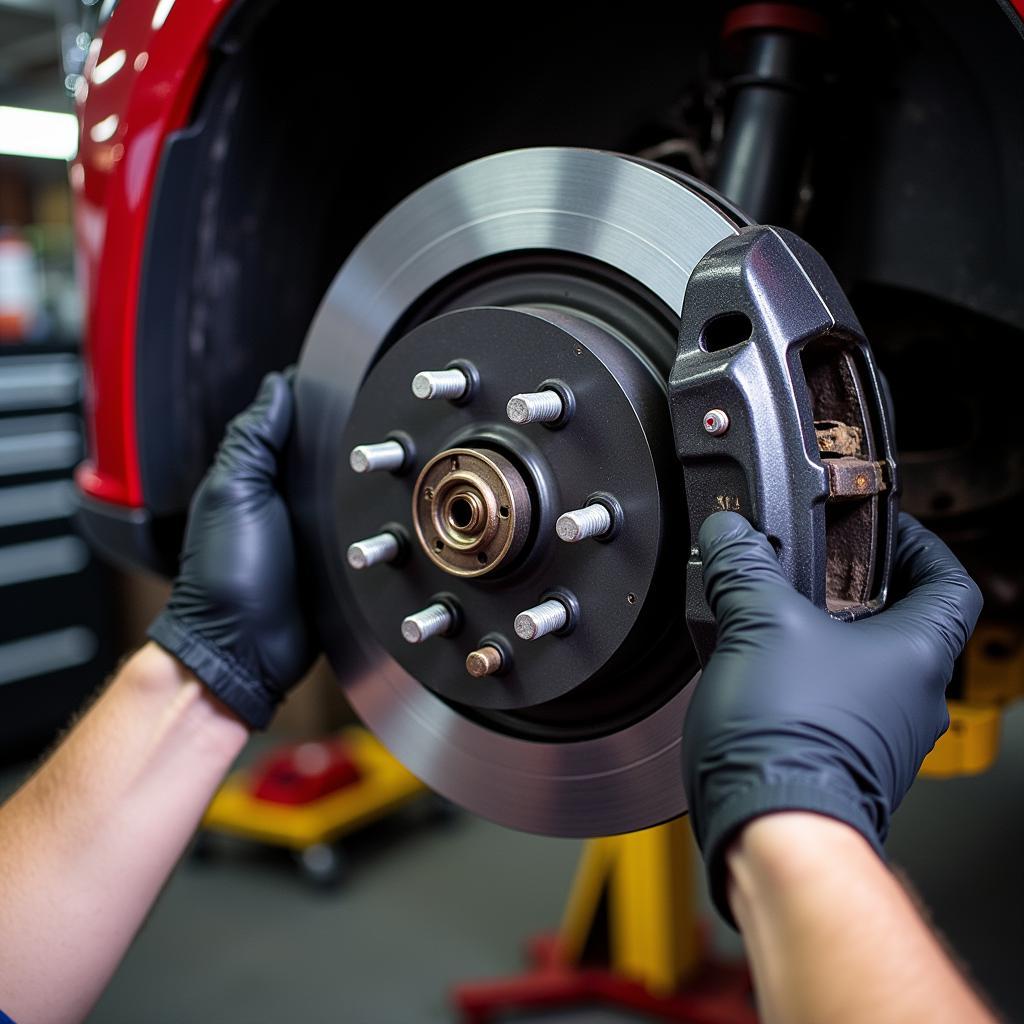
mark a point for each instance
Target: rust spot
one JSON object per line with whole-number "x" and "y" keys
{"x": 836, "y": 438}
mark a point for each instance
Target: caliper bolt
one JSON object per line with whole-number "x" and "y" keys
{"x": 593, "y": 521}
{"x": 484, "y": 661}
{"x": 535, "y": 407}
{"x": 716, "y": 422}
{"x": 449, "y": 384}
{"x": 546, "y": 617}
{"x": 434, "y": 620}
{"x": 370, "y": 458}
{"x": 382, "y": 547}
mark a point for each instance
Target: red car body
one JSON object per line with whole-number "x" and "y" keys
{"x": 124, "y": 120}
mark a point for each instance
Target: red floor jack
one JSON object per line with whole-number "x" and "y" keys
{"x": 630, "y": 938}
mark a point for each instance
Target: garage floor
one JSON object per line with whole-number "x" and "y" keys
{"x": 241, "y": 938}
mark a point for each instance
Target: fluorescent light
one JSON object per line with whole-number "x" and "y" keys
{"x": 40, "y": 133}
{"x": 108, "y": 67}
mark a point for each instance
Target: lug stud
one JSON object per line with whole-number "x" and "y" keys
{"x": 371, "y": 458}
{"x": 440, "y": 384}
{"x": 580, "y": 524}
{"x": 484, "y": 661}
{"x": 382, "y": 547}
{"x": 546, "y": 617}
{"x": 535, "y": 407}
{"x": 434, "y": 620}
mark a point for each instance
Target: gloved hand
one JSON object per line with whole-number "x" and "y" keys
{"x": 234, "y": 617}
{"x": 796, "y": 711}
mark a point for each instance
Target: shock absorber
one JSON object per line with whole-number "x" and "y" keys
{"x": 774, "y": 52}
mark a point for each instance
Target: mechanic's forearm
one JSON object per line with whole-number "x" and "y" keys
{"x": 830, "y": 933}
{"x": 87, "y": 843}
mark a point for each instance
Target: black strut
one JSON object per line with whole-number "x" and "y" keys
{"x": 774, "y": 53}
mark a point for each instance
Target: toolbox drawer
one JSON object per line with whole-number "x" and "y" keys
{"x": 55, "y": 598}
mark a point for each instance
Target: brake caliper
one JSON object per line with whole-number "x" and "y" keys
{"x": 780, "y": 414}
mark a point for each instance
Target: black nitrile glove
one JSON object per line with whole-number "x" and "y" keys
{"x": 234, "y": 617}
{"x": 798, "y": 712}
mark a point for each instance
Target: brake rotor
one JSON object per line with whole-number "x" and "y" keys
{"x": 539, "y": 272}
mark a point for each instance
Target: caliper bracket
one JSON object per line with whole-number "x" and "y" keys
{"x": 779, "y": 413}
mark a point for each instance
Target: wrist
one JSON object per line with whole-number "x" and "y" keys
{"x": 155, "y": 676}
{"x": 220, "y": 670}
{"x": 777, "y": 856}
{"x": 824, "y": 795}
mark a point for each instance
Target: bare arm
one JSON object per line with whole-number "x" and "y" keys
{"x": 803, "y": 736}
{"x": 90, "y": 839}
{"x": 830, "y": 933}
{"x": 87, "y": 843}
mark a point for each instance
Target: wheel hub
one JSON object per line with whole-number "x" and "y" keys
{"x": 484, "y": 506}
{"x": 471, "y": 510}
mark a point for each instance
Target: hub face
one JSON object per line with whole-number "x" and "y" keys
{"x": 471, "y": 511}
{"x": 479, "y": 500}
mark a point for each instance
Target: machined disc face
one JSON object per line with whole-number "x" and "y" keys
{"x": 542, "y": 767}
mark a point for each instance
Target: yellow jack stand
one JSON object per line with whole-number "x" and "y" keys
{"x": 993, "y": 677}
{"x": 630, "y": 935}
{"x": 629, "y": 938}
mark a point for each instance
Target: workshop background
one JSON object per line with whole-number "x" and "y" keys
{"x": 382, "y": 924}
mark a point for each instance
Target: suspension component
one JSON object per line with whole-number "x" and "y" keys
{"x": 774, "y": 51}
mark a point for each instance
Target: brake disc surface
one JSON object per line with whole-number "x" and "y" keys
{"x": 532, "y": 266}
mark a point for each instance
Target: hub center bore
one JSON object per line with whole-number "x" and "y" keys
{"x": 472, "y": 511}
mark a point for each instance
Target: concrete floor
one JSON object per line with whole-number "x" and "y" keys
{"x": 242, "y": 938}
